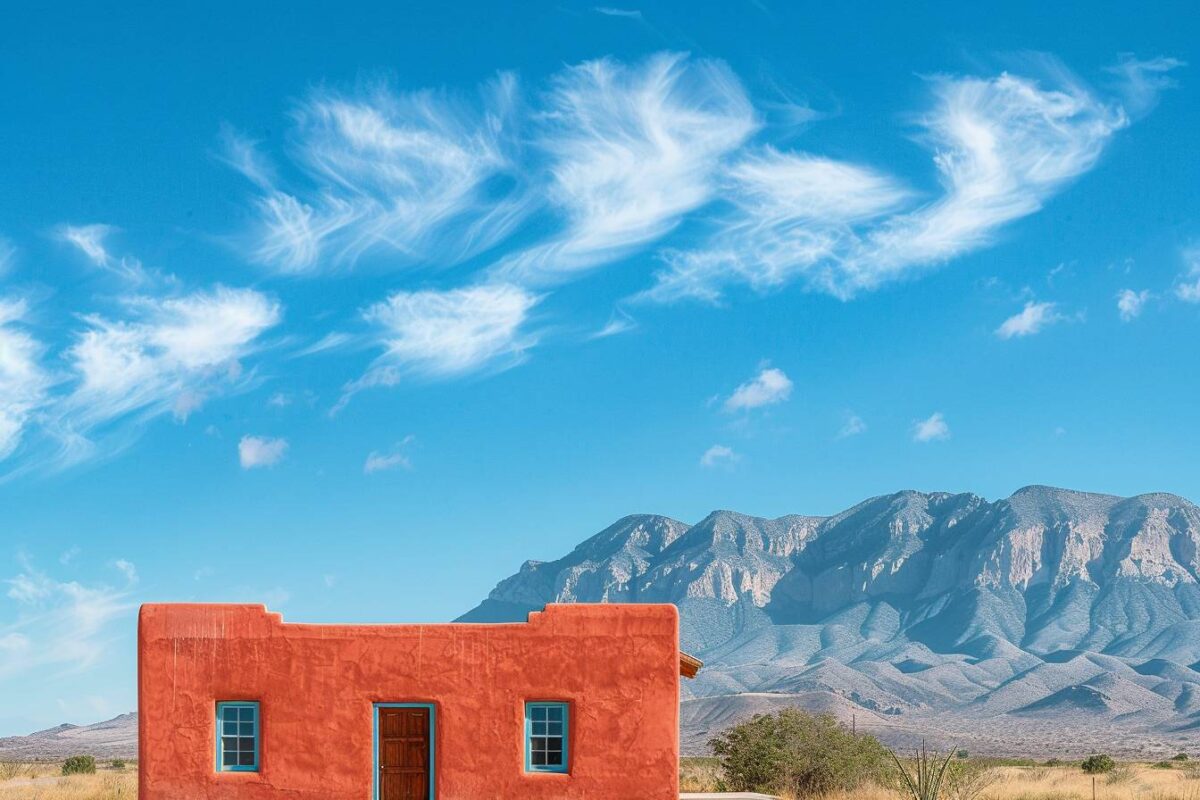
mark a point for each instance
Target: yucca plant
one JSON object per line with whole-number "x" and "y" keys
{"x": 925, "y": 781}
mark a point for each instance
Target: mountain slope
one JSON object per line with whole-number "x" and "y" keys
{"x": 919, "y": 609}
{"x": 114, "y": 738}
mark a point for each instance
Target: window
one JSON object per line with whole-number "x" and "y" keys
{"x": 237, "y": 737}
{"x": 546, "y": 727}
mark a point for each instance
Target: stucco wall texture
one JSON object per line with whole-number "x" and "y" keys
{"x": 617, "y": 665}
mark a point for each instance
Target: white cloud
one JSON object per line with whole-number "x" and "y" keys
{"x": 448, "y": 333}
{"x": 261, "y": 451}
{"x": 8, "y": 254}
{"x": 382, "y": 461}
{"x": 619, "y": 323}
{"x": 24, "y": 383}
{"x": 793, "y": 215}
{"x": 769, "y": 387}
{"x": 632, "y": 150}
{"x": 1030, "y": 320}
{"x": 1131, "y": 303}
{"x": 1142, "y": 81}
{"x": 413, "y": 173}
{"x": 609, "y": 11}
{"x": 58, "y": 623}
{"x": 279, "y": 400}
{"x": 1188, "y": 287}
{"x": 718, "y": 455}
{"x": 165, "y": 356}
{"x": 932, "y": 429}
{"x": 243, "y": 155}
{"x": 334, "y": 340}
{"x": 91, "y": 240}
{"x": 1002, "y": 146}
{"x": 127, "y": 569}
{"x": 853, "y": 426}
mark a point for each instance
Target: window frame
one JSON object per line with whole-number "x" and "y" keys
{"x": 565, "y": 766}
{"x": 254, "y": 706}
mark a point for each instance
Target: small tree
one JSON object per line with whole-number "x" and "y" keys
{"x": 1180, "y": 757}
{"x": 118, "y": 763}
{"x": 797, "y": 752}
{"x": 79, "y": 765}
{"x": 1098, "y": 764}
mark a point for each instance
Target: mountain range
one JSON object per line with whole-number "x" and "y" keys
{"x": 114, "y": 738}
{"x": 1053, "y": 621}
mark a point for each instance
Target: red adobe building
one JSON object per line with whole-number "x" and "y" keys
{"x": 581, "y": 701}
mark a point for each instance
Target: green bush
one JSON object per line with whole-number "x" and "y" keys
{"x": 1163, "y": 765}
{"x": 797, "y": 752}
{"x": 1180, "y": 757}
{"x": 1097, "y": 764}
{"x": 117, "y": 763}
{"x": 79, "y": 765}
{"x": 1052, "y": 762}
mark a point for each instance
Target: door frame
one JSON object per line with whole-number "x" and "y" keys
{"x": 375, "y": 744}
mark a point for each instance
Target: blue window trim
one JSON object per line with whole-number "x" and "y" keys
{"x": 257, "y": 734}
{"x": 566, "y": 715}
{"x": 375, "y": 744}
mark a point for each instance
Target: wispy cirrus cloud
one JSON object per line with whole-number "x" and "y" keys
{"x": 92, "y": 241}
{"x": 8, "y": 254}
{"x": 164, "y": 351}
{"x": 1002, "y": 147}
{"x": 24, "y": 381}
{"x": 421, "y": 175}
{"x": 60, "y": 624}
{"x": 1032, "y": 319}
{"x": 631, "y": 149}
{"x": 793, "y": 215}
{"x": 395, "y": 458}
{"x": 442, "y": 334}
{"x": 770, "y": 387}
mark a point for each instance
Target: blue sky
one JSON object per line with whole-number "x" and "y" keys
{"x": 350, "y": 311}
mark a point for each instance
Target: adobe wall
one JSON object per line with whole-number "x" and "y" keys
{"x": 618, "y": 665}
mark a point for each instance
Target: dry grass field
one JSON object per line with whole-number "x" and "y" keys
{"x": 1126, "y": 782}
{"x": 44, "y": 781}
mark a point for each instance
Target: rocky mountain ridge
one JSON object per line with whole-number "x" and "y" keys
{"x": 922, "y": 614}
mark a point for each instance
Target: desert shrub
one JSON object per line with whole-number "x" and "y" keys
{"x": 1163, "y": 765}
{"x": 13, "y": 769}
{"x": 961, "y": 754}
{"x": 700, "y": 774}
{"x": 1052, "y": 762}
{"x": 1180, "y": 757}
{"x": 1097, "y": 764}
{"x": 797, "y": 752}
{"x": 117, "y": 763}
{"x": 79, "y": 765}
{"x": 967, "y": 780}
{"x": 925, "y": 781}
{"x": 1121, "y": 774}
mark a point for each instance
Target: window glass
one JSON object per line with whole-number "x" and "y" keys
{"x": 238, "y": 735}
{"x": 546, "y": 736}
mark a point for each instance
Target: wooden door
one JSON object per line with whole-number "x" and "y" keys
{"x": 404, "y": 768}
